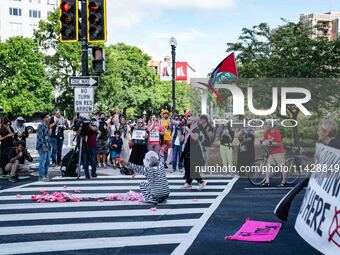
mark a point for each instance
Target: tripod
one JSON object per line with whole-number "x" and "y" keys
{"x": 81, "y": 147}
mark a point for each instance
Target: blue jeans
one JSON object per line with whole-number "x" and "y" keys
{"x": 44, "y": 162}
{"x": 176, "y": 157}
{"x": 87, "y": 154}
{"x": 57, "y": 146}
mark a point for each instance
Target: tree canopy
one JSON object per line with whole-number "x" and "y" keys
{"x": 24, "y": 86}
{"x": 290, "y": 52}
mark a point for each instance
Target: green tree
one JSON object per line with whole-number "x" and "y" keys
{"x": 24, "y": 86}
{"x": 290, "y": 52}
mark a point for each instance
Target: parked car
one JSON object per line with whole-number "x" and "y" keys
{"x": 32, "y": 126}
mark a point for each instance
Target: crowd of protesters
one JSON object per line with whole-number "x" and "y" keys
{"x": 113, "y": 141}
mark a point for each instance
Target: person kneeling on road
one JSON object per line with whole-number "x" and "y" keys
{"x": 156, "y": 188}
{"x": 17, "y": 157}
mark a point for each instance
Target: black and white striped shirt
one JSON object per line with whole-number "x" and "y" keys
{"x": 156, "y": 178}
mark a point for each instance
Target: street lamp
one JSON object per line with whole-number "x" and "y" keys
{"x": 173, "y": 44}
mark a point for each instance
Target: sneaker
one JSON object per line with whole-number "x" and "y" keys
{"x": 46, "y": 179}
{"x": 94, "y": 176}
{"x": 150, "y": 201}
{"x": 12, "y": 179}
{"x": 187, "y": 186}
{"x": 202, "y": 185}
{"x": 104, "y": 165}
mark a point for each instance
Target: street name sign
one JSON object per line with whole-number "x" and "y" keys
{"x": 83, "y": 81}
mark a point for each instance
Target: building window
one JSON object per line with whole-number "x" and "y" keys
{"x": 52, "y": 2}
{"x": 35, "y": 14}
{"x": 14, "y": 11}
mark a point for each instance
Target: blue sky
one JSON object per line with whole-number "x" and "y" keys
{"x": 201, "y": 27}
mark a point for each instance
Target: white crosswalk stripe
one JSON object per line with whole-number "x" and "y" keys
{"x": 30, "y": 227}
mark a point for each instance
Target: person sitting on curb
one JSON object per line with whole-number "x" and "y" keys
{"x": 17, "y": 157}
{"x": 156, "y": 189}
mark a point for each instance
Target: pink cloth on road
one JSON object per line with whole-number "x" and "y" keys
{"x": 256, "y": 231}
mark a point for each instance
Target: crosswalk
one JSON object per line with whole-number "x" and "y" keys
{"x": 115, "y": 227}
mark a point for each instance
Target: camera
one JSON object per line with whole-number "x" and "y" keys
{"x": 82, "y": 123}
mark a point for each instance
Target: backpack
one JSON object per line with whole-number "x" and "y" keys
{"x": 69, "y": 164}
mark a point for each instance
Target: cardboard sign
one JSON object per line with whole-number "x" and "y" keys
{"x": 154, "y": 136}
{"x": 257, "y": 231}
{"x": 138, "y": 134}
{"x": 318, "y": 221}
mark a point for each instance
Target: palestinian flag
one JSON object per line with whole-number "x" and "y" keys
{"x": 225, "y": 70}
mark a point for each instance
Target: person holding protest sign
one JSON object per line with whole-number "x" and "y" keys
{"x": 155, "y": 130}
{"x": 139, "y": 147}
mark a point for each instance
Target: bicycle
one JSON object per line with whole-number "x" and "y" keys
{"x": 293, "y": 166}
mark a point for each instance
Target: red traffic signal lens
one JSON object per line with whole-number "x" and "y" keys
{"x": 94, "y": 7}
{"x": 66, "y": 6}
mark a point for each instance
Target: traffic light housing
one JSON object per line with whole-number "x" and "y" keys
{"x": 68, "y": 10}
{"x": 96, "y": 21}
{"x": 98, "y": 59}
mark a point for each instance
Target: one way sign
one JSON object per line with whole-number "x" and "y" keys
{"x": 83, "y": 81}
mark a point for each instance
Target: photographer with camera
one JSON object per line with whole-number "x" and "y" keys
{"x": 17, "y": 157}
{"x": 57, "y": 126}
{"x": 87, "y": 130}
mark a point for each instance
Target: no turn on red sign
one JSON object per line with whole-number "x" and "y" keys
{"x": 83, "y": 99}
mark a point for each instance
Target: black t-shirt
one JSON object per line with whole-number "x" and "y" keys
{"x": 227, "y": 139}
{"x": 335, "y": 143}
{"x": 104, "y": 133}
{"x": 23, "y": 137}
{"x": 13, "y": 153}
{"x": 8, "y": 141}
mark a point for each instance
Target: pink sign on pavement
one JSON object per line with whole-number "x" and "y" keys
{"x": 256, "y": 231}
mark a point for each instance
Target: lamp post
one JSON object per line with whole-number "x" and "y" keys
{"x": 173, "y": 44}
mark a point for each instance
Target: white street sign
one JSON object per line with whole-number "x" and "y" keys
{"x": 83, "y": 99}
{"x": 83, "y": 81}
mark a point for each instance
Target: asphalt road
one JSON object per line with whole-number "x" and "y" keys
{"x": 187, "y": 224}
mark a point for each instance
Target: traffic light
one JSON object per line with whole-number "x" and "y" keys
{"x": 96, "y": 20}
{"x": 98, "y": 61}
{"x": 68, "y": 10}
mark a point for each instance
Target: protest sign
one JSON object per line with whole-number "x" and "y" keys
{"x": 318, "y": 221}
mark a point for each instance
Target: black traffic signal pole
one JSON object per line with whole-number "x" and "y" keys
{"x": 173, "y": 80}
{"x": 84, "y": 43}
